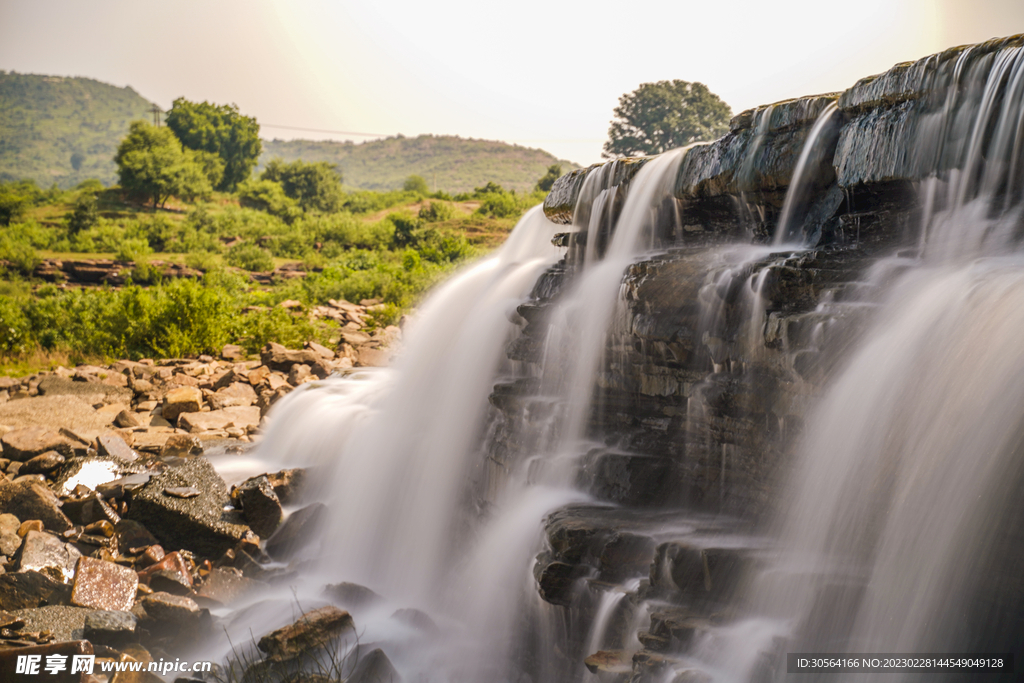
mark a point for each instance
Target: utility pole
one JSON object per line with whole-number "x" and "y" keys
{"x": 156, "y": 115}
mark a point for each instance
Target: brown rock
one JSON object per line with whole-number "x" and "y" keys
{"x": 103, "y": 585}
{"x": 236, "y": 394}
{"x": 232, "y": 352}
{"x": 9, "y": 523}
{"x": 258, "y": 375}
{"x": 47, "y": 554}
{"x": 299, "y": 374}
{"x": 42, "y": 464}
{"x": 21, "y": 590}
{"x": 610, "y": 661}
{"x": 22, "y": 444}
{"x": 153, "y": 554}
{"x": 174, "y": 609}
{"x": 288, "y": 484}
{"x": 114, "y": 446}
{"x": 226, "y": 584}
{"x": 127, "y": 420}
{"x": 181, "y": 445}
{"x": 260, "y": 505}
{"x": 312, "y": 630}
{"x": 239, "y": 416}
{"x": 277, "y": 357}
{"x": 32, "y": 500}
{"x": 371, "y": 357}
{"x": 181, "y": 401}
{"x": 132, "y": 536}
{"x": 29, "y": 525}
{"x": 320, "y": 350}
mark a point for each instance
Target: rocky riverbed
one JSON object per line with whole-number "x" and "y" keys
{"x": 117, "y": 535}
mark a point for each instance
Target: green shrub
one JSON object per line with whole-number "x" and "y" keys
{"x": 134, "y": 250}
{"x": 499, "y": 205}
{"x": 248, "y": 256}
{"x": 15, "y": 332}
{"x": 417, "y": 184}
{"x": 19, "y": 253}
{"x": 435, "y": 212}
{"x": 268, "y": 195}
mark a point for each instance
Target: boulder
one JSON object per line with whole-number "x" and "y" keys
{"x": 103, "y": 585}
{"x": 181, "y": 400}
{"x": 47, "y": 554}
{"x": 24, "y": 444}
{"x": 42, "y": 463}
{"x": 180, "y": 446}
{"x": 110, "y": 627}
{"x": 243, "y": 417}
{"x": 176, "y": 610}
{"x": 351, "y": 595}
{"x": 65, "y": 650}
{"x": 20, "y": 590}
{"x": 170, "y": 571}
{"x": 300, "y": 527}
{"x": 232, "y": 352}
{"x": 288, "y": 484}
{"x": 312, "y": 630}
{"x": 224, "y": 585}
{"x": 55, "y": 622}
{"x": 126, "y": 419}
{"x": 51, "y": 385}
{"x": 277, "y": 357}
{"x": 132, "y": 536}
{"x": 260, "y": 505}
{"x": 199, "y": 524}
{"x": 32, "y": 500}
{"x": 115, "y": 447}
{"x": 374, "y": 667}
{"x": 235, "y": 394}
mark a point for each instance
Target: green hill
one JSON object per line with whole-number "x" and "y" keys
{"x": 448, "y": 163}
{"x": 63, "y": 130}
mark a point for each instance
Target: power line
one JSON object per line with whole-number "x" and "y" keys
{"x": 320, "y": 130}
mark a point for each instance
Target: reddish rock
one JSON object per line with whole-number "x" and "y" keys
{"x": 174, "y": 609}
{"x": 32, "y": 500}
{"x": 103, "y": 585}
{"x": 312, "y": 630}
{"x": 173, "y": 563}
{"x": 22, "y": 444}
{"x": 181, "y": 445}
{"x": 42, "y": 464}
{"x": 67, "y": 651}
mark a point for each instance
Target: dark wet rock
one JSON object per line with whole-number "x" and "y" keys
{"x": 312, "y": 630}
{"x": 168, "y": 581}
{"x": 300, "y": 528}
{"x": 123, "y": 485}
{"x": 199, "y": 524}
{"x": 68, "y": 649}
{"x": 43, "y": 463}
{"x": 260, "y": 505}
{"x": 182, "y": 492}
{"x": 351, "y": 595}
{"x": 110, "y": 627}
{"x": 31, "y": 500}
{"x": 374, "y": 667}
{"x": 26, "y": 443}
{"x": 176, "y": 610}
{"x": 126, "y": 419}
{"x": 171, "y": 563}
{"x": 225, "y": 585}
{"x": 114, "y": 446}
{"x": 21, "y": 590}
{"x": 47, "y": 554}
{"x": 288, "y": 484}
{"x": 556, "y": 580}
{"x": 103, "y": 585}
{"x": 416, "y": 619}
{"x": 61, "y": 621}
{"x": 278, "y": 357}
{"x": 699, "y": 571}
{"x": 181, "y": 445}
{"x": 89, "y": 509}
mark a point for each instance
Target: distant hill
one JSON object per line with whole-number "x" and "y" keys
{"x": 63, "y": 130}
{"x": 450, "y": 163}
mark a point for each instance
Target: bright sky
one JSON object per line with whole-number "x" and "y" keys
{"x": 540, "y": 73}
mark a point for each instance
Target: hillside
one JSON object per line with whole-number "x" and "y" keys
{"x": 63, "y": 130}
{"x": 447, "y": 163}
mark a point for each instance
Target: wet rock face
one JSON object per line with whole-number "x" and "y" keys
{"x": 312, "y": 630}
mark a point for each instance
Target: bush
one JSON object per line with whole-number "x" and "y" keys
{"x": 269, "y": 196}
{"x": 501, "y": 205}
{"x": 248, "y": 256}
{"x": 134, "y": 250}
{"x": 19, "y": 253}
{"x": 435, "y": 212}
{"x": 84, "y": 214}
{"x": 416, "y": 183}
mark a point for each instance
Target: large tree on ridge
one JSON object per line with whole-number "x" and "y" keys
{"x": 221, "y": 130}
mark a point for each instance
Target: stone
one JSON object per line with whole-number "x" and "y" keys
{"x": 180, "y": 446}
{"x": 225, "y": 585}
{"x": 9, "y": 544}
{"x": 112, "y": 445}
{"x": 320, "y": 350}
{"x": 56, "y": 622}
{"x": 277, "y": 357}
{"x": 255, "y": 377}
{"x": 619, "y": 662}
{"x": 23, "y": 444}
{"x": 47, "y": 554}
{"x": 239, "y": 416}
{"x": 89, "y": 471}
{"x": 374, "y": 667}
{"x": 417, "y": 620}
{"x": 182, "y": 492}
{"x": 29, "y": 525}
{"x": 132, "y": 536}
{"x": 42, "y": 463}
{"x": 351, "y": 595}
{"x": 66, "y": 650}
{"x": 181, "y": 400}
{"x": 298, "y": 529}
{"x": 110, "y": 627}
{"x": 260, "y": 505}
{"x": 167, "y": 581}
{"x": 103, "y": 585}
{"x": 21, "y": 590}
{"x": 177, "y": 610}
{"x": 59, "y": 386}
{"x": 102, "y": 527}
{"x": 31, "y": 500}
{"x": 312, "y": 630}
{"x": 198, "y": 524}
{"x": 89, "y": 509}
{"x": 127, "y": 420}
{"x": 232, "y": 352}
{"x": 298, "y": 374}
{"x": 288, "y": 484}
{"x": 235, "y": 394}
{"x": 171, "y": 569}
{"x": 152, "y": 555}
{"x": 9, "y": 523}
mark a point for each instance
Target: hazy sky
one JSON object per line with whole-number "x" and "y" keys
{"x": 538, "y": 73}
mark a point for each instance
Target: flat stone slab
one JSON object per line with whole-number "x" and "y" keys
{"x": 53, "y": 385}
{"x": 28, "y": 442}
{"x": 47, "y": 554}
{"x": 64, "y": 622}
{"x": 237, "y": 416}
{"x": 53, "y": 412}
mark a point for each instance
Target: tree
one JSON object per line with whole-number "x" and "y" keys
{"x": 657, "y": 117}
{"x": 315, "y": 186}
{"x": 545, "y": 183}
{"x": 416, "y": 183}
{"x": 152, "y": 164}
{"x": 221, "y": 130}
